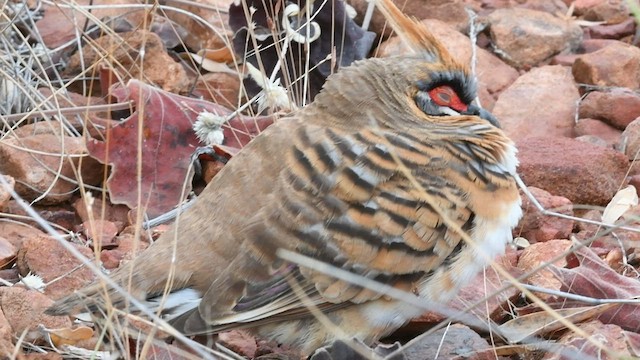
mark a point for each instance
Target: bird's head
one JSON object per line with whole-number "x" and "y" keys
{"x": 428, "y": 80}
{"x": 442, "y": 85}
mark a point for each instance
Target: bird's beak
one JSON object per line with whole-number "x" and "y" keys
{"x": 476, "y": 110}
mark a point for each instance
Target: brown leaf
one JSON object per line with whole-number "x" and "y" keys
{"x": 68, "y": 336}
{"x": 594, "y": 278}
{"x": 542, "y": 322}
{"x": 167, "y": 143}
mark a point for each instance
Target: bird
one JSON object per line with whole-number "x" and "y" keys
{"x": 392, "y": 173}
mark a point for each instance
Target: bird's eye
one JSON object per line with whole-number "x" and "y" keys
{"x": 444, "y": 95}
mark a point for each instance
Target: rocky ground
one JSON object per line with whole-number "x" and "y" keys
{"x": 562, "y": 77}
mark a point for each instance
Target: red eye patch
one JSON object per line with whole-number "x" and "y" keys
{"x": 444, "y": 95}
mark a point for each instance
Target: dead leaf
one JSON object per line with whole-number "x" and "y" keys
{"x": 541, "y": 323}
{"x": 594, "y": 278}
{"x": 167, "y": 143}
{"x": 623, "y": 200}
{"x": 68, "y": 336}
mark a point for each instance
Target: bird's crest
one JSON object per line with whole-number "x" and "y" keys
{"x": 414, "y": 34}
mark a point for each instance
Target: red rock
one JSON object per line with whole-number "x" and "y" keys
{"x": 205, "y": 24}
{"x": 24, "y": 310}
{"x": 584, "y": 348}
{"x": 124, "y": 48}
{"x": 100, "y": 232}
{"x": 617, "y": 107}
{"x": 67, "y": 219}
{"x": 564, "y": 59}
{"x": 592, "y": 139}
{"x": 117, "y": 214}
{"x": 35, "y": 173}
{"x": 538, "y": 256}
{"x": 541, "y": 102}
{"x": 131, "y": 245}
{"x": 551, "y": 7}
{"x": 220, "y": 88}
{"x": 449, "y": 343}
{"x": 631, "y": 140}
{"x": 493, "y": 75}
{"x": 635, "y": 182}
{"x": 47, "y": 258}
{"x": 538, "y": 228}
{"x": 111, "y": 258}
{"x": 6, "y": 335}
{"x": 16, "y": 232}
{"x": 601, "y": 10}
{"x": 634, "y": 167}
{"x": 585, "y": 174}
{"x": 450, "y": 11}
{"x": 589, "y": 232}
{"x": 8, "y": 252}
{"x": 5, "y": 194}
{"x": 598, "y": 128}
{"x": 593, "y": 45}
{"x": 525, "y": 38}
{"x": 615, "y": 31}
{"x": 615, "y": 65}
{"x": 240, "y": 342}
{"x": 587, "y": 46}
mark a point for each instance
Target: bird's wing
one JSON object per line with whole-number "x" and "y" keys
{"x": 381, "y": 203}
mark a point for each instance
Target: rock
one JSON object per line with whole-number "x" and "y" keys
{"x": 615, "y": 65}
{"x": 525, "y": 38}
{"x": 5, "y": 194}
{"x": 618, "y": 341}
{"x": 634, "y": 166}
{"x": 587, "y": 46}
{"x": 592, "y": 139}
{"x": 634, "y": 181}
{"x": 601, "y": 10}
{"x": 102, "y": 210}
{"x": 8, "y": 252}
{"x": 450, "y": 11}
{"x": 131, "y": 245}
{"x": 220, "y": 88}
{"x": 206, "y": 25}
{"x": 45, "y": 257}
{"x": 615, "y": 31}
{"x": 449, "y": 343}
{"x": 541, "y": 102}
{"x": 493, "y": 74}
{"x": 124, "y": 49}
{"x": 17, "y": 232}
{"x": 536, "y": 227}
{"x": 598, "y": 128}
{"x": 623, "y": 238}
{"x": 552, "y": 7}
{"x": 583, "y": 173}
{"x": 240, "y": 342}
{"x": 631, "y": 140}
{"x": 128, "y": 248}
{"x": 111, "y": 258}
{"x": 24, "y": 310}
{"x": 617, "y": 107}
{"x": 101, "y": 233}
{"x": 538, "y": 256}
{"x": 36, "y": 173}
{"x": 6, "y": 335}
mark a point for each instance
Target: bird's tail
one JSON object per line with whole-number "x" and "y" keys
{"x": 100, "y": 296}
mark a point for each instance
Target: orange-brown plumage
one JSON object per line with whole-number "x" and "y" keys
{"x": 375, "y": 177}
